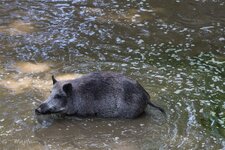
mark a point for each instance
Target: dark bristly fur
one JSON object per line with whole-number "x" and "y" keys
{"x": 104, "y": 94}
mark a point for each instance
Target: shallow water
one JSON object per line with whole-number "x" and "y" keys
{"x": 175, "y": 49}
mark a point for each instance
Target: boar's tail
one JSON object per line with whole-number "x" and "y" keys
{"x": 153, "y": 105}
{"x": 147, "y": 97}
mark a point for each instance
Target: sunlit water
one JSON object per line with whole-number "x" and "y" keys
{"x": 175, "y": 49}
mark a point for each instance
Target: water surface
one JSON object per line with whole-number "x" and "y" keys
{"x": 175, "y": 49}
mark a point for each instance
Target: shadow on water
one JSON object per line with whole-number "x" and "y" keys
{"x": 175, "y": 49}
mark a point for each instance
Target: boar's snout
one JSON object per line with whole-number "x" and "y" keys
{"x": 42, "y": 109}
{"x": 37, "y": 111}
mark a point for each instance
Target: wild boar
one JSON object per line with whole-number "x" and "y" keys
{"x": 99, "y": 94}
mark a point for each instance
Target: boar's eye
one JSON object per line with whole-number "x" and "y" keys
{"x": 58, "y": 96}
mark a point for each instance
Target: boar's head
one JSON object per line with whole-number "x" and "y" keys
{"x": 57, "y": 100}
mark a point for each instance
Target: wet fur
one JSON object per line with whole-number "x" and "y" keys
{"x": 105, "y": 94}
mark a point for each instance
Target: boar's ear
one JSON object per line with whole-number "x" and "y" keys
{"x": 53, "y": 79}
{"x": 67, "y": 88}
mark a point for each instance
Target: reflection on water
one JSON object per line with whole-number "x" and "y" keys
{"x": 174, "y": 48}
{"x": 102, "y": 133}
{"x": 17, "y": 28}
{"x": 27, "y": 67}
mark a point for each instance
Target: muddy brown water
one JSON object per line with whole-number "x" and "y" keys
{"x": 174, "y": 48}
